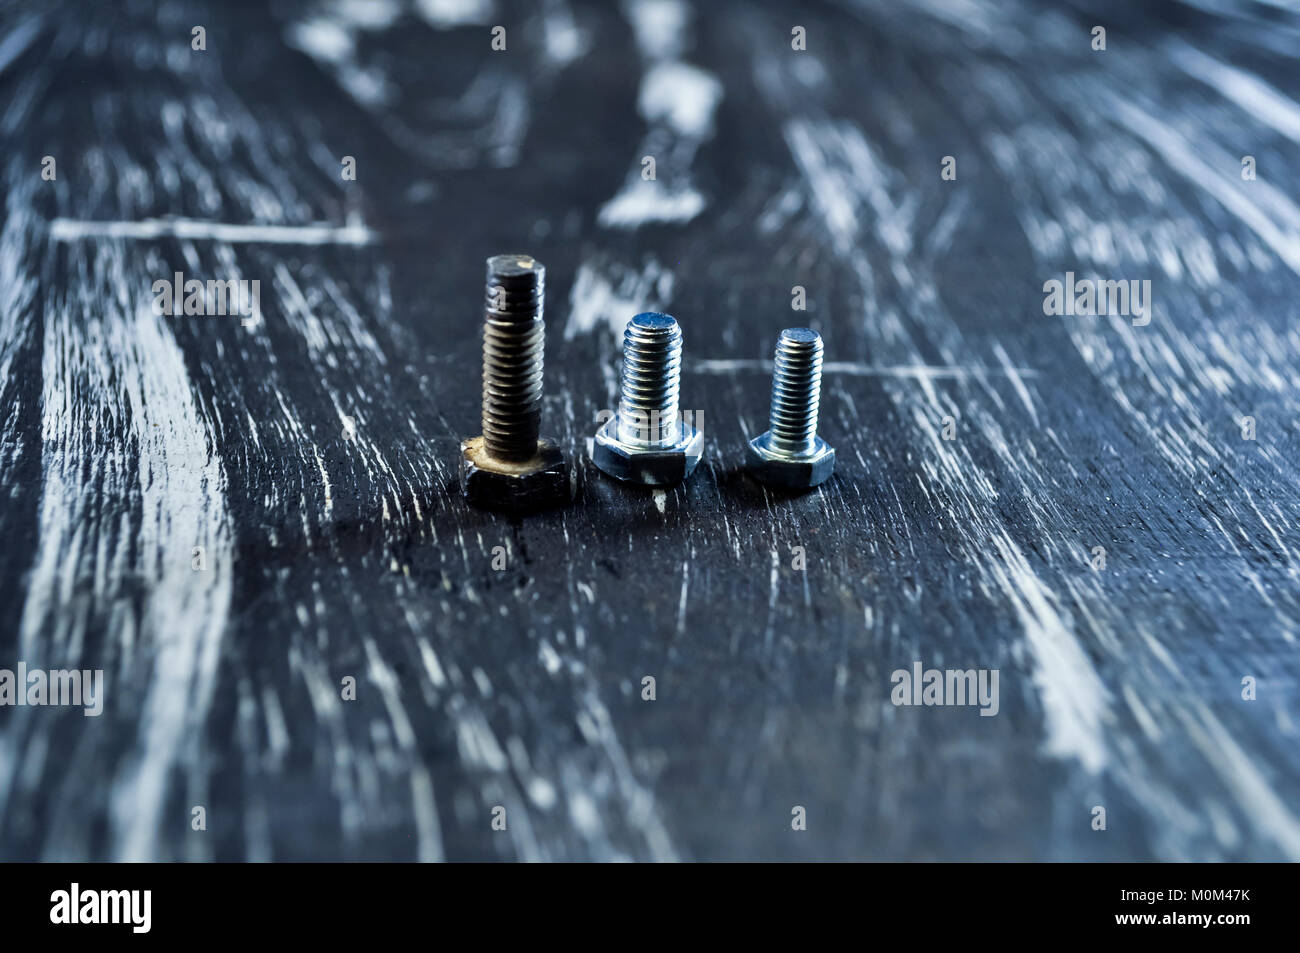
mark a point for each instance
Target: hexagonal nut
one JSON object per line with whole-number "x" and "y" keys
{"x": 650, "y": 467}
{"x": 790, "y": 473}
{"x": 544, "y": 481}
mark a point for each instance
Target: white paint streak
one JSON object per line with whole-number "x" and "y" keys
{"x": 1240, "y": 772}
{"x": 1075, "y": 701}
{"x": 564, "y": 42}
{"x": 17, "y": 40}
{"x": 682, "y": 97}
{"x": 610, "y": 295}
{"x": 856, "y": 369}
{"x": 354, "y": 233}
{"x": 451, "y": 14}
{"x": 1248, "y": 91}
{"x": 641, "y": 202}
{"x": 428, "y": 831}
{"x": 114, "y": 363}
{"x": 1274, "y": 218}
{"x": 659, "y": 26}
{"x": 678, "y": 102}
{"x": 851, "y": 191}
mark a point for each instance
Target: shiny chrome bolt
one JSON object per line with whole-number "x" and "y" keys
{"x": 791, "y": 455}
{"x": 646, "y": 441}
{"x": 509, "y": 467}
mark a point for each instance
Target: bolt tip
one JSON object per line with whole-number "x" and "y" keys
{"x": 521, "y": 269}
{"x": 654, "y": 321}
{"x": 801, "y": 336}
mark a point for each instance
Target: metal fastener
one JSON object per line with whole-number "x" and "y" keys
{"x": 791, "y": 455}
{"x": 510, "y": 467}
{"x": 646, "y": 441}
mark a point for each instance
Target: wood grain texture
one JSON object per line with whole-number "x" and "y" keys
{"x": 313, "y": 455}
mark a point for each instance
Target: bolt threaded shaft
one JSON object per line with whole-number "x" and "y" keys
{"x": 796, "y": 390}
{"x": 652, "y": 367}
{"x": 513, "y": 339}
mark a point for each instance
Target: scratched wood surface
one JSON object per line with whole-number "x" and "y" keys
{"x": 312, "y": 454}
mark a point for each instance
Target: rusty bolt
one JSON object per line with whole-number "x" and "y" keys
{"x": 510, "y": 467}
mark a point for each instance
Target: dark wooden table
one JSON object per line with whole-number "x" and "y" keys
{"x": 232, "y": 518}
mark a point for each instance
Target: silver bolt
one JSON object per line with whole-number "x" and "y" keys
{"x": 790, "y": 454}
{"x": 646, "y": 442}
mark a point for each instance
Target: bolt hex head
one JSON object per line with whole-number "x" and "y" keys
{"x": 790, "y": 471}
{"x": 649, "y": 465}
{"x": 534, "y": 484}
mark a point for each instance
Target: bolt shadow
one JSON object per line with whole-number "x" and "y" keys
{"x": 737, "y": 484}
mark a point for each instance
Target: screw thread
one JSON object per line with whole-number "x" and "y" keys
{"x": 513, "y": 340}
{"x": 652, "y": 366}
{"x": 796, "y": 390}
